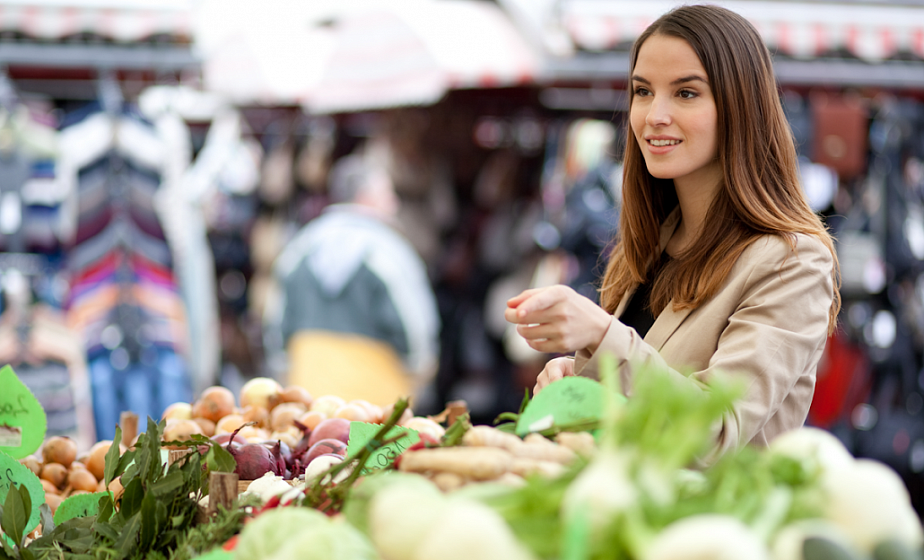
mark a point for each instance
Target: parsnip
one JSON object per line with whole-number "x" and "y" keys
{"x": 486, "y": 436}
{"x": 525, "y": 466}
{"x": 545, "y": 452}
{"x": 479, "y": 463}
{"x": 448, "y": 481}
{"x": 582, "y": 443}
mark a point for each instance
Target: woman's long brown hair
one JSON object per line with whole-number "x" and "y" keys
{"x": 760, "y": 193}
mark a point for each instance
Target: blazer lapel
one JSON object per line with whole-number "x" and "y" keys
{"x": 665, "y": 325}
{"x": 667, "y": 322}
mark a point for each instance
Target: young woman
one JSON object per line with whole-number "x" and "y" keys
{"x": 720, "y": 264}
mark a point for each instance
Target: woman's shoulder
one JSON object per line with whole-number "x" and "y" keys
{"x": 797, "y": 249}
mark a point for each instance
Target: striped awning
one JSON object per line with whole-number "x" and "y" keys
{"x": 798, "y": 29}
{"x": 120, "y": 22}
{"x": 412, "y": 52}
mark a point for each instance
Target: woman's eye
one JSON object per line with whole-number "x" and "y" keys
{"x": 687, "y": 94}
{"x": 641, "y": 91}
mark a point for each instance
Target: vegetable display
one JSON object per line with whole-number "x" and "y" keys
{"x": 361, "y": 481}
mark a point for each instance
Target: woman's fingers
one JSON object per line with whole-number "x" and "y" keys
{"x": 553, "y": 371}
{"x": 522, "y": 308}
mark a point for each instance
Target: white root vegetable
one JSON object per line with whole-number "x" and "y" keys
{"x": 466, "y": 530}
{"x": 869, "y": 501}
{"x": 479, "y": 463}
{"x": 546, "y": 452}
{"x": 319, "y": 466}
{"x": 712, "y": 536}
{"x": 267, "y": 486}
{"x": 526, "y": 466}
{"x": 818, "y": 447}
{"x": 448, "y": 481}
{"x": 487, "y": 436}
{"x": 581, "y": 443}
{"x": 600, "y": 492}
{"x": 400, "y": 514}
{"x": 789, "y": 541}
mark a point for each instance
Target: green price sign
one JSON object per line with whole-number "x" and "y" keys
{"x": 216, "y": 554}
{"x": 14, "y": 472}
{"x": 567, "y": 401}
{"x": 81, "y": 505}
{"x": 22, "y": 418}
{"x": 362, "y": 433}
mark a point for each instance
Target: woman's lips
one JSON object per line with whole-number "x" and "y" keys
{"x": 667, "y": 145}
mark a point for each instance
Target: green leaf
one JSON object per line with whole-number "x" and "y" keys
{"x": 26, "y": 554}
{"x": 112, "y": 457}
{"x": 106, "y": 531}
{"x": 128, "y": 538}
{"x": 16, "y": 513}
{"x": 218, "y": 459}
{"x": 148, "y": 521}
{"x": 131, "y": 499}
{"x": 8, "y": 550}
{"x": 48, "y": 519}
{"x": 170, "y": 483}
{"x": 106, "y": 508}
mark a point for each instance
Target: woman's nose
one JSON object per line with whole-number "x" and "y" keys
{"x": 658, "y": 112}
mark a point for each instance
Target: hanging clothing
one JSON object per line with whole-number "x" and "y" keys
{"x": 124, "y": 297}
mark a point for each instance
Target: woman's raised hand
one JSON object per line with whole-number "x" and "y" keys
{"x": 557, "y": 319}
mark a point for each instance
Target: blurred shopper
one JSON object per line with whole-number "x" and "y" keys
{"x": 721, "y": 265}
{"x": 355, "y": 311}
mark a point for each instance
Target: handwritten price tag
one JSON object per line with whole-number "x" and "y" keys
{"x": 362, "y": 433}
{"x": 81, "y": 505}
{"x": 22, "y": 419}
{"x": 567, "y": 401}
{"x": 13, "y": 472}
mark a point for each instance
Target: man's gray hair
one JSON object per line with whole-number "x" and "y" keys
{"x": 348, "y": 177}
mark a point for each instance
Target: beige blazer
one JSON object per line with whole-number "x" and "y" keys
{"x": 767, "y": 325}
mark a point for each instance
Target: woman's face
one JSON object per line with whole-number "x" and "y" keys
{"x": 673, "y": 114}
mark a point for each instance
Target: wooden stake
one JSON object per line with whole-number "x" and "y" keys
{"x": 128, "y": 421}
{"x": 222, "y": 490}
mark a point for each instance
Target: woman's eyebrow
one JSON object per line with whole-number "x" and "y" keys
{"x": 678, "y": 81}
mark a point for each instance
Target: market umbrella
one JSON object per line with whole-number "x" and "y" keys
{"x": 413, "y": 52}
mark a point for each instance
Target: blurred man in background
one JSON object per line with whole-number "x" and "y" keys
{"x": 355, "y": 311}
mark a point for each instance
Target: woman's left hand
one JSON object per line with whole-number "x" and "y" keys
{"x": 557, "y": 319}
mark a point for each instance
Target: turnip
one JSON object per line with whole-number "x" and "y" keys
{"x": 813, "y": 447}
{"x": 401, "y": 513}
{"x": 601, "y": 491}
{"x": 320, "y": 465}
{"x": 330, "y": 541}
{"x": 789, "y": 541}
{"x": 467, "y": 529}
{"x": 869, "y": 501}
{"x": 272, "y": 529}
{"x": 706, "y": 536}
